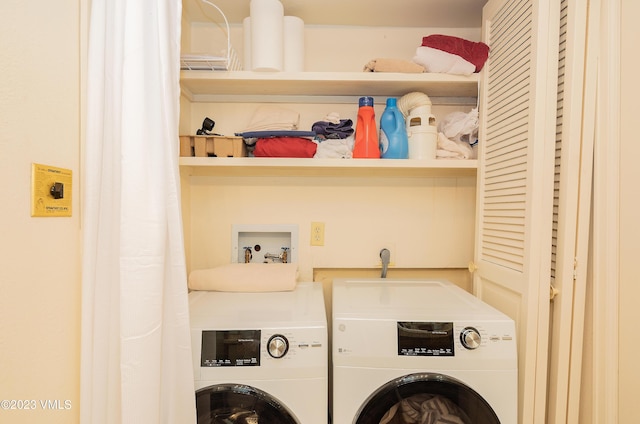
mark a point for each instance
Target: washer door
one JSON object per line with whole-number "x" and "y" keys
{"x": 426, "y": 397}
{"x": 241, "y": 404}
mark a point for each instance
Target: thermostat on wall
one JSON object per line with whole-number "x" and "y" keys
{"x": 50, "y": 191}
{"x": 264, "y": 243}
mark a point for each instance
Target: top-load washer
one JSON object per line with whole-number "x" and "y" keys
{"x": 420, "y": 351}
{"x": 260, "y": 357}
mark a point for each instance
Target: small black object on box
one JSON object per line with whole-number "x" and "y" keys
{"x": 207, "y": 126}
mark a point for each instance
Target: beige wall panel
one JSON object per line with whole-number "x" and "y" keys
{"x": 629, "y": 210}
{"x": 425, "y": 222}
{"x": 40, "y": 257}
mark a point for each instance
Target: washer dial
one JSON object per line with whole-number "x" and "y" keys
{"x": 278, "y": 346}
{"x": 470, "y": 338}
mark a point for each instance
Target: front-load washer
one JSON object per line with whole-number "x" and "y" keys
{"x": 420, "y": 351}
{"x": 260, "y": 357}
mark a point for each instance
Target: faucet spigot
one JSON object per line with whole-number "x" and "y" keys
{"x": 247, "y": 255}
{"x": 385, "y": 257}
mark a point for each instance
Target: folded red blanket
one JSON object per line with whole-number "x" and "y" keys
{"x": 471, "y": 51}
{"x": 285, "y": 147}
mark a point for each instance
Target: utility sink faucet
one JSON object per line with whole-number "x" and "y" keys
{"x": 385, "y": 257}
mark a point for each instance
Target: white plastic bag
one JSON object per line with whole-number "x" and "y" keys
{"x": 460, "y": 126}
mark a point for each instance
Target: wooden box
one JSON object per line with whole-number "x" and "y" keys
{"x": 212, "y": 145}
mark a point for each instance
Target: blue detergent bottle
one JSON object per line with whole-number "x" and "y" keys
{"x": 394, "y": 142}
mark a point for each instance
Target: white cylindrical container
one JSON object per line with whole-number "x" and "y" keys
{"x": 246, "y": 38}
{"x": 420, "y": 116}
{"x": 267, "y": 35}
{"x": 293, "y": 44}
{"x": 423, "y": 141}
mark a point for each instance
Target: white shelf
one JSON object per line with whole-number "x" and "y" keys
{"x": 212, "y": 166}
{"x": 206, "y": 86}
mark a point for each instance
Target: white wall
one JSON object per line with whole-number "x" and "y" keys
{"x": 39, "y": 257}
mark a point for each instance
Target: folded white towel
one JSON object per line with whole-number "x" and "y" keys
{"x": 450, "y": 149}
{"x": 255, "y": 277}
{"x": 271, "y": 118}
{"x": 335, "y": 148}
{"x": 434, "y": 60}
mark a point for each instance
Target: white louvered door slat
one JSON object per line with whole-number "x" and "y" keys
{"x": 515, "y": 181}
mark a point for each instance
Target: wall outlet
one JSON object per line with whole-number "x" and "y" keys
{"x": 317, "y": 234}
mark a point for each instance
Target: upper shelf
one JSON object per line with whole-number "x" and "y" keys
{"x": 202, "y": 85}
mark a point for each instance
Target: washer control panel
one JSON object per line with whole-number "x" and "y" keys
{"x": 259, "y": 353}
{"x": 358, "y": 340}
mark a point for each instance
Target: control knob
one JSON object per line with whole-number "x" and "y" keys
{"x": 470, "y": 338}
{"x": 278, "y": 346}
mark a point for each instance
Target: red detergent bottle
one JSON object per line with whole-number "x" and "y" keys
{"x": 366, "y": 138}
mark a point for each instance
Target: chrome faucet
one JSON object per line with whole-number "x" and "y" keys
{"x": 385, "y": 257}
{"x": 247, "y": 255}
{"x": 282, "y": 257}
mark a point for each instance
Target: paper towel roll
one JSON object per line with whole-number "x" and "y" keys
{"x": 267, "y": 35}
{"x": 246, "y": 33}
{"x": 293, "y": 44}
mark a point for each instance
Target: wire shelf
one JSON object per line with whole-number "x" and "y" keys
{"x": 204, "y": 62}
{"x": 198, "y": 62}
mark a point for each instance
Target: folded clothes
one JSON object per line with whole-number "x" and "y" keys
{"x": 393, "y": 65}
{"x": 271, "y": 117}
{"x": 237, "y": 277}
{"x": 471, "y": 51}
{"x": 335, "y": 149}
{"x": 439, "y": 61}
{"x": 342, "y": 129}
{"x": 333, "y": 117}
{"x": 285, "y": 147}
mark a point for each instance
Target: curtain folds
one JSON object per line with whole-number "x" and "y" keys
{"x": 136, "y": 351}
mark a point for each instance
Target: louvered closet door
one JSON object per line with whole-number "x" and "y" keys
{"x": 515, "y": 181}
{"x": 575, "y": 132}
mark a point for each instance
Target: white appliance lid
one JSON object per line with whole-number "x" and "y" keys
{"x": 425, "y": 300}
{"x": 301, "y": 307}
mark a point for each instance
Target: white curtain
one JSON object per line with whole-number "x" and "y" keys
{"x": 136, "y": 352}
